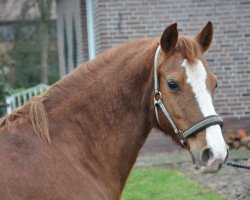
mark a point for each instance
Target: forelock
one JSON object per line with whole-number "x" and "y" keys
{"x": 189, "y": 48}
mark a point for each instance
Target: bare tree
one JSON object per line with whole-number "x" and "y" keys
{"x": 45, "y": 8}
{"x": 43, "y": 22}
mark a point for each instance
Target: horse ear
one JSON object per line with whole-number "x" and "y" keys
{"x": 169, "y": 37}
{"x": 205, "y": 37}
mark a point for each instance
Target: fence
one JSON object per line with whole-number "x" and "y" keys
{"x": 20, "y": 98}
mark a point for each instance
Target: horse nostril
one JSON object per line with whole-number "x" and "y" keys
{"x": 206, "y": 155}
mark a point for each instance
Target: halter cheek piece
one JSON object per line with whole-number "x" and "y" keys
{"x": 159, "y": 104}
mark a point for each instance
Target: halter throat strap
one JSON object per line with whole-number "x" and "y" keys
{"x": 159, "y": 104}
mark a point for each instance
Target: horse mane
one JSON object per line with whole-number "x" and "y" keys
{"x": 189, "y": 48}
{"x": 35, "y": 111}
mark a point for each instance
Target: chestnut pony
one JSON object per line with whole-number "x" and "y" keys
{"x": 81, "y": 138}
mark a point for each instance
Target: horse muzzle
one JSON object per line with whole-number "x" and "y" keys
{"x": 208, "y": 161}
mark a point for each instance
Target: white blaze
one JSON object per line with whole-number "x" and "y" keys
{"x": 196, "y": 77}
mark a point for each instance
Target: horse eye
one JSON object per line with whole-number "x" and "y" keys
{"x": 173, "y": 85}
{"x": 216, "y": 85}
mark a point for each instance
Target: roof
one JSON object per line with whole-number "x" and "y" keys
{"x": 11, "y": 10}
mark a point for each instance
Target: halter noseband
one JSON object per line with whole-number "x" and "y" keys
{"x": 193, "y": 129}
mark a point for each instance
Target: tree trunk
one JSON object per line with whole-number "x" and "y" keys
{"x": 45, "y": 7}
{"x": 44, "y": 41}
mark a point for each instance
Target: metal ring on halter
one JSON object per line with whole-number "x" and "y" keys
{"x": 158, "y": 93}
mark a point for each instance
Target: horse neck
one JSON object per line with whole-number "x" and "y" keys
{"x": 109, "y": 101}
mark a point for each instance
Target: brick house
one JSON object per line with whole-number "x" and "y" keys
{"x": 112, "y": 22}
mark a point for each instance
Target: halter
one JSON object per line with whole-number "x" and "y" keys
{"x": 159, "y": 104}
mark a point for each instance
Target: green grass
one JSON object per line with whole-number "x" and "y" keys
{"x": 164, "y": 184}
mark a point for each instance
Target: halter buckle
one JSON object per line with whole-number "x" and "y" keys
{"x": 157, "y": 96}
{"x": 182, "y": 139}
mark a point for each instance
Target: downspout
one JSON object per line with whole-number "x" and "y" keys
{"x": 90, "y": 29}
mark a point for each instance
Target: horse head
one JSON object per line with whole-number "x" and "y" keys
{"x": 184, "y": 91}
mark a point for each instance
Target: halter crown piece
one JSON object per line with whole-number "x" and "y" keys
{"x": 159, "y": 104}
